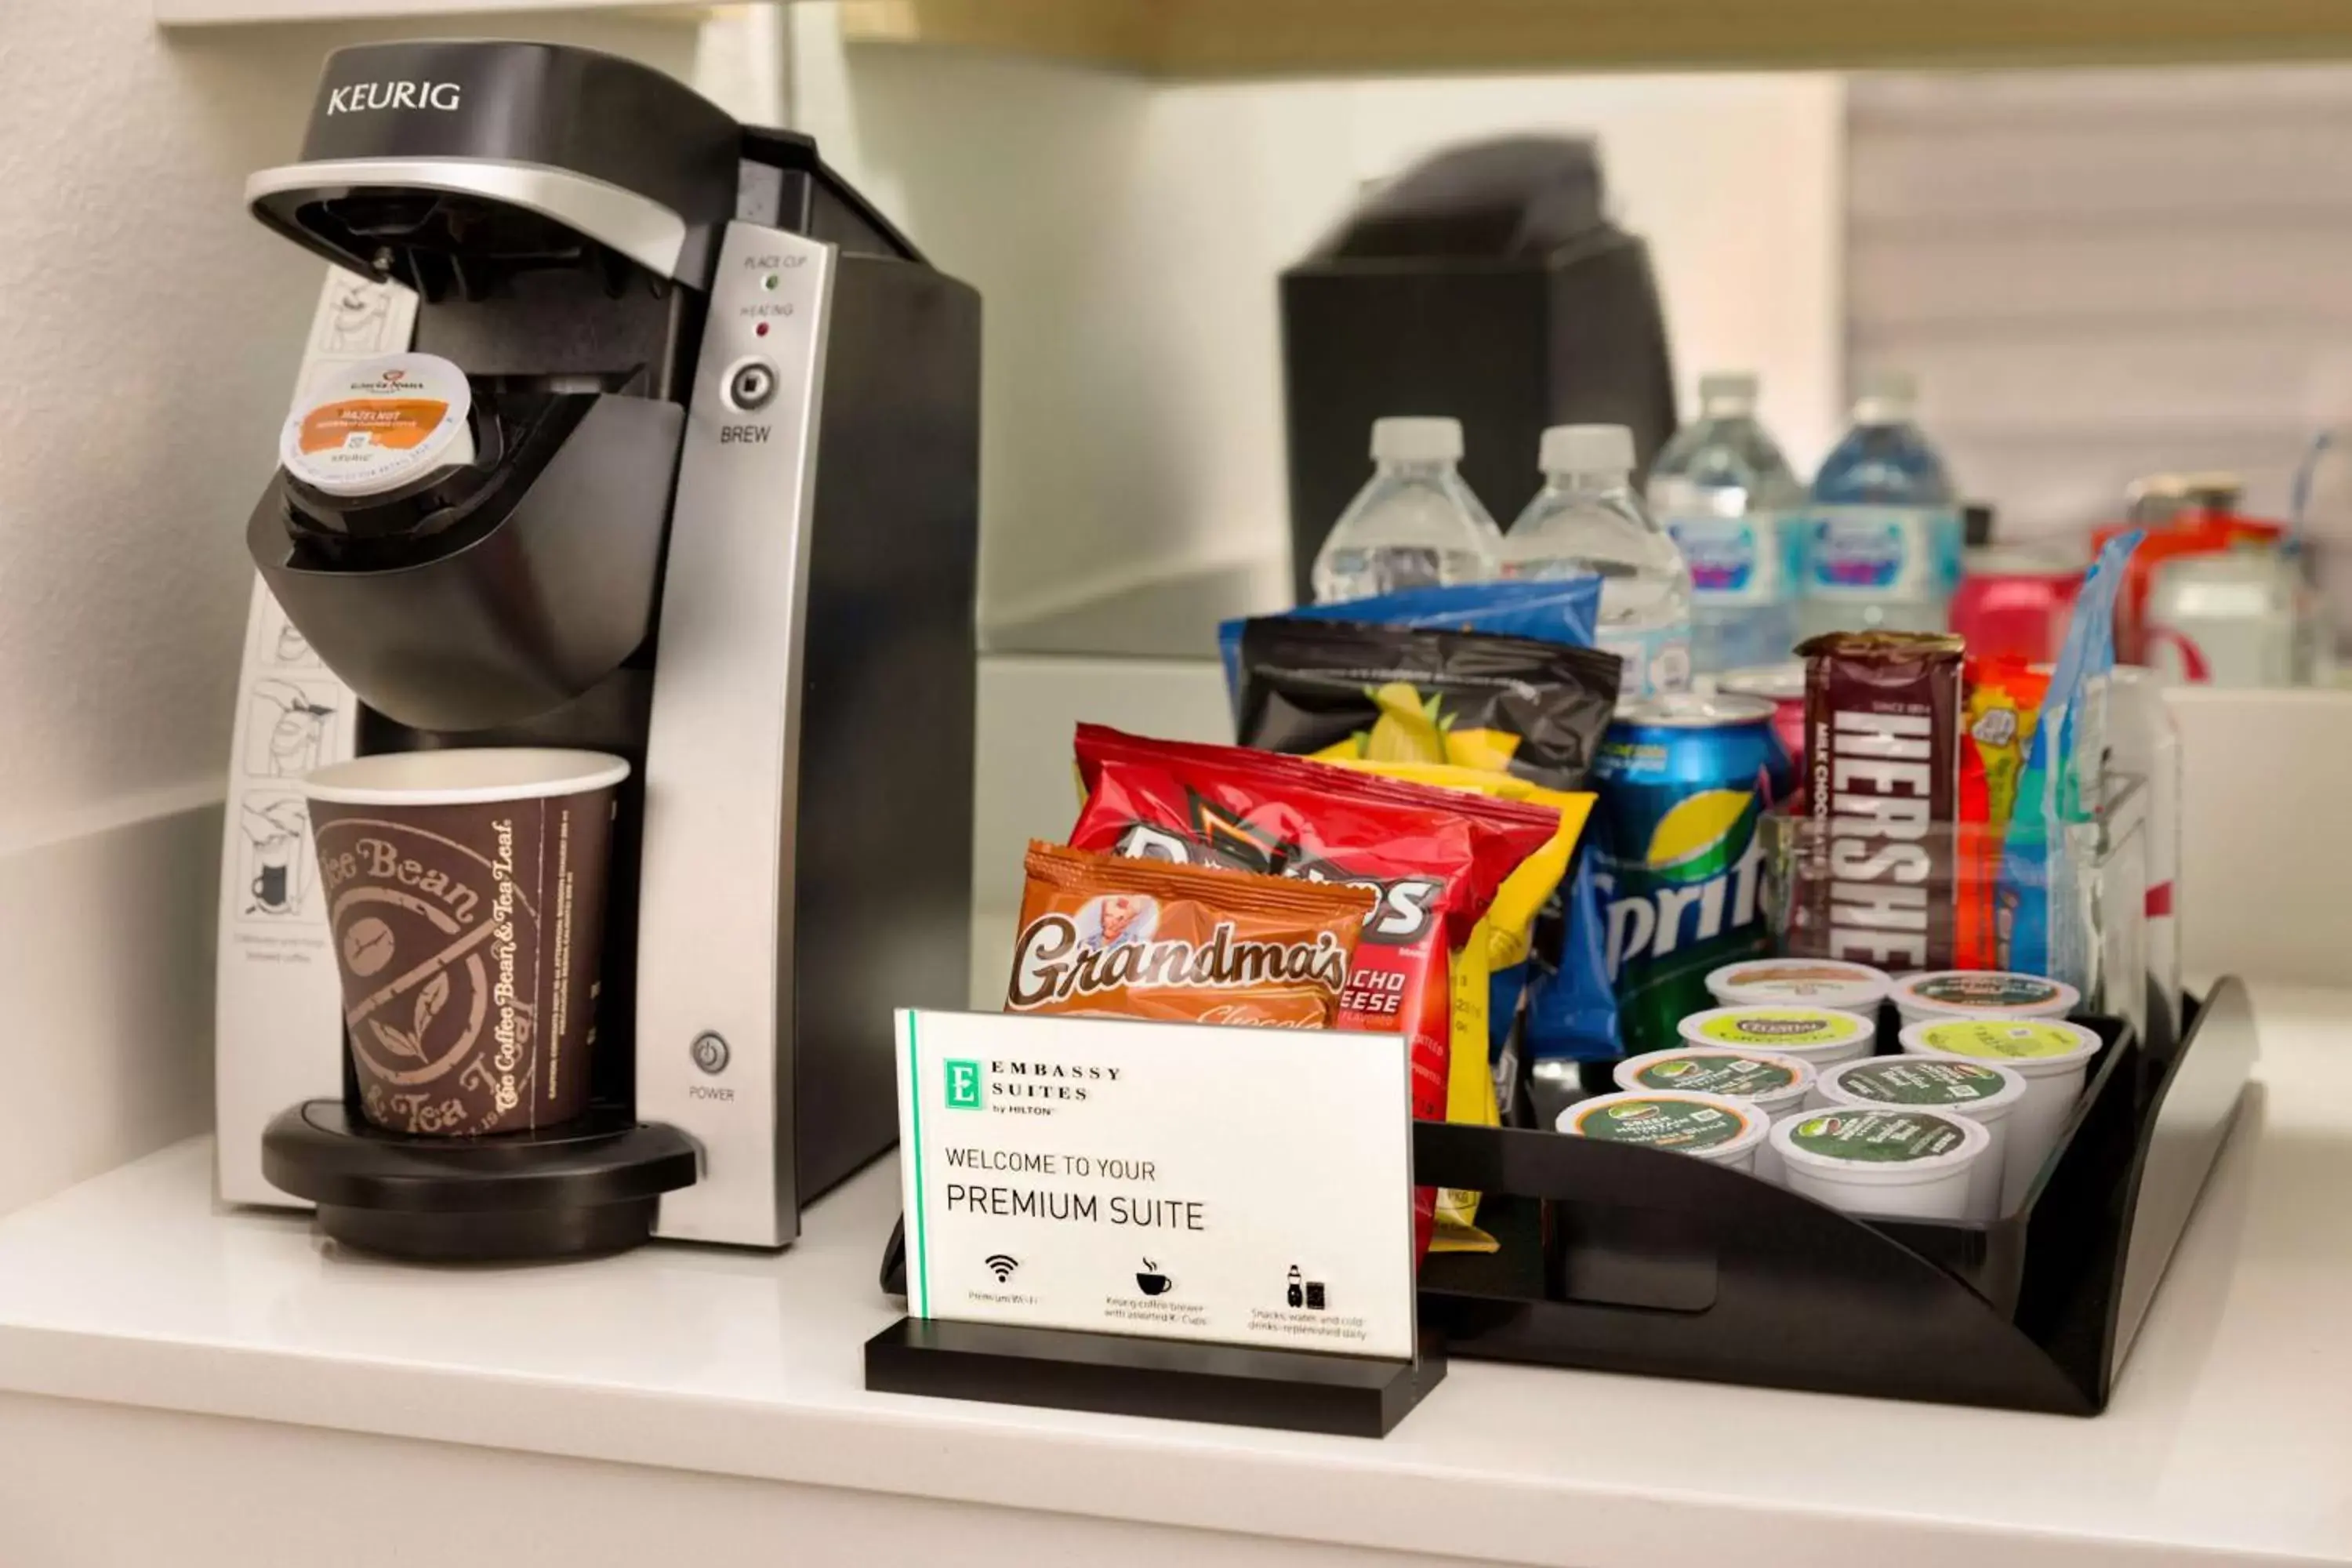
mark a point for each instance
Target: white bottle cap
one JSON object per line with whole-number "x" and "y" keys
{"x": 1587, "y": 449}
{"x": 1400, "y": 439}
{"x": 1728, "y": 386}
{"x": 1883, "y": 396}
{"x": 365, "y": 428}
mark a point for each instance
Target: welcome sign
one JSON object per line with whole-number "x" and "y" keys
{"x": 1178, "y": 1181}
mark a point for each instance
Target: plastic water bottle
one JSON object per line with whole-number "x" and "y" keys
{"x": 1734, "y": 509}
{"x": 1587, "y": 518}
{"x": 1884, "y": 532}
{"x": 1414, "y": 525}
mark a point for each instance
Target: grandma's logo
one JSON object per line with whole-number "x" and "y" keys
{"x": 1059, "y": 959}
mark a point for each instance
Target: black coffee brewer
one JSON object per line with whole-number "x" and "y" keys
{"x": 713, "y": 507}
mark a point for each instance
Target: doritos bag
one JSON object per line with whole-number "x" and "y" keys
{"x": 1436, "y": 859}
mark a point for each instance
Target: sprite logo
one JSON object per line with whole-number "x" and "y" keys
{"x": 1701, "y": 877}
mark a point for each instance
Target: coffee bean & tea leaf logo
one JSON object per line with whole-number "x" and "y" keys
{"x": 430, "y": 997}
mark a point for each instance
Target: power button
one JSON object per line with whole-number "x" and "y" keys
{"x": 751, "y": 384}
{"x": 710, "y": 1053}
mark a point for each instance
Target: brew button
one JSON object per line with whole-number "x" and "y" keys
{"x": 710, "y": 1053}
{"x": 751, "y": 384}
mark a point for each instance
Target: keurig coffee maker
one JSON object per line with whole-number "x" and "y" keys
{"x": 701, "y": 491}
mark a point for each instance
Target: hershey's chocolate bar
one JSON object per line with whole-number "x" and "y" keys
{"x": 1882, "y": 738}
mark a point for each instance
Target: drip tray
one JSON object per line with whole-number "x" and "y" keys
{"x": 592, "y": 1186}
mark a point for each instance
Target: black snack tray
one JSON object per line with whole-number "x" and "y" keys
{"x": 1622, "y": 1259}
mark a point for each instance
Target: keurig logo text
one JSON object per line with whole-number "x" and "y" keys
{"x": 362, "y": 96}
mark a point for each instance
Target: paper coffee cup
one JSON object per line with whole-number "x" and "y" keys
{"x": 466, "y": 892}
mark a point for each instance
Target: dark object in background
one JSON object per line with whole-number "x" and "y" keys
{"x": 1485, "y": 284}
{"x": 1976, "y": 525}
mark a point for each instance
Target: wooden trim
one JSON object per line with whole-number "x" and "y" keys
{"x": 1114, "y": 34}
{"x": 1205, "y": 39}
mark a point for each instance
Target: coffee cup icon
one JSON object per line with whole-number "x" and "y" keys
{"x": 1152, "y": 1282}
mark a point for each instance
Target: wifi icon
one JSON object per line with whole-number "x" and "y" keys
{"x": 1001, "y": 1266}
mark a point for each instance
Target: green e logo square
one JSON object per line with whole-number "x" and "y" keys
{"x": 963, "y": 1085}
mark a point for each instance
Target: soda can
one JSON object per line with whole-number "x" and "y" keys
{"x": 1782, "y": 685}
{"x": 1679, "y": 863}
{"x": 2229, "y": 619}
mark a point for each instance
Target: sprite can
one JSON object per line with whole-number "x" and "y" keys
{"x": 1681, "y": 866}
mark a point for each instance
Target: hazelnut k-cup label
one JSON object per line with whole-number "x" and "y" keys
{"x": 1156, "y": 1179}
{"x": 370, "y": 427}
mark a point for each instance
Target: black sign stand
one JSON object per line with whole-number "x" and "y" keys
{"x": 1121, "y": 1374}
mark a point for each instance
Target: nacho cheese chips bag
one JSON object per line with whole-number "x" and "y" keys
{"x": 1434, "y": 860}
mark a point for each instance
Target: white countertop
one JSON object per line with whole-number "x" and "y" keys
{"x": 2230, "y": 1432}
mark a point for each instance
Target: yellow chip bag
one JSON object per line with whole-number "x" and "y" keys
{"x": 1499, "y": 943}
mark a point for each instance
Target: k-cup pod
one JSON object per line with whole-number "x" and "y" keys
{"x": 1984, "y": 1092}
{"x": 1898, "y": 1164}
{"x": 465, "y": 894}
{"x": 1706, "y": 1126}
{"x": 2052, "y": 1055}
{"x": 1802, "y": 982}
{"x": 1777, "y": 1085}
{"x": 1982, "y": 994}
{"x": 1818, "y": 1036}
{"x": 366, "y": 428}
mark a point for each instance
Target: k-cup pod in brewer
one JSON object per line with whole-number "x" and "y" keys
{"x": 2051, "y": 1054}
{"x": 1817, "y": 1036}
{"x": 465, "y": 894}
{"x": 1899, "y": 1164}
{"x": 1707, "y": 1126}
{"x": 1777, "y": 1085}
{"x": 366, "y": 428}
{"x": 1984, "y": 1092}
{"x": 1982, "y": 993}
{"x": 1806, "y": 982}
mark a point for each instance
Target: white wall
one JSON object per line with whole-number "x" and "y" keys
{"x": 1126, "y": 237}
{"x": 149, "y": 330}
{"x": 2100, "y": 274}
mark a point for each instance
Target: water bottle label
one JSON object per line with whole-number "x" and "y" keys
{"x": 1737, "y": 560}
{"x": 1657, "y": 660}
{"x": 1873, "y": 552}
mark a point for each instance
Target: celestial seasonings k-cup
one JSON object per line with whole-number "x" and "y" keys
{"x": 1909, "y": 1165}
{"x": 1776, "y": 1085}
{"x": 2052, "y": 1055}
{"x": 1708, "y": 1127}
{"x": 1816, "y": 1036}
{"x": 1985, "y": 1092}
{"x": 1805, "y": 982}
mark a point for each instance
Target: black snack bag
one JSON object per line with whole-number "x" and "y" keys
{"x": 1341, "y": 688}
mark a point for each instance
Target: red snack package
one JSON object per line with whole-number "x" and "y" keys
{"x": 1434, "y": 857}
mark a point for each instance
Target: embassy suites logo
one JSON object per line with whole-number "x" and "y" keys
{"x": 973, "y": 1085}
